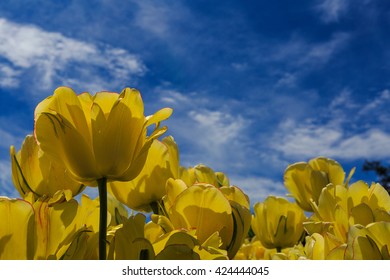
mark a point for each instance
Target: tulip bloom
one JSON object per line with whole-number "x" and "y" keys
{"x": 204, "y": 208}
{"x": 208, "y": 209}
{"x": 40, "y": 230}
{"x": 278, "y": 223}
{"x": 15, "y": 229}
{"x": 129, "y": 242}
{"x": 103, "y": 136}
{"x": 183, "y": 245}
{"x": 99, "y": 139}
{"x": 148, "y": 187}
{"x": 369, "y": 243}
{"x": 306, "y": 180}
{"x": 34, "y": 171}
{"x": 340, "y": 207}
{"x": 203, "y": 174}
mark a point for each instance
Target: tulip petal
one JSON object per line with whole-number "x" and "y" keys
{"x": 241, "y": 222}
{"x": 205, "y": 174}
{"x": 173, "y": 188}
{"x": 117, "y": 148}
{"x": 18, "y": 178}
{"x": 332, "y": 168}
{"x": 16, "y": 225}
{"x": 129, "y": 243}
{"x": 235, "y": 194}
{"x": 362, "y": 214}
{"x": 53, "y": 225}
{"x": 149, "y": 185}
{"x": 64, "y": 142}
{"x": 204, "y": 208}
{"x": 159, "y": 116}
{"x": 173, "y": 152}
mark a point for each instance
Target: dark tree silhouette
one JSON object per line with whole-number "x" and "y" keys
{"x": 382, "y": 172}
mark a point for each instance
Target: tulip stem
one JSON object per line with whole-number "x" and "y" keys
{"x": 102, "y": 186}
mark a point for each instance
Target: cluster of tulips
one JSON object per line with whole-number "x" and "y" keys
{"x": 106, "y": 141}
{"x": 346, "y": 221}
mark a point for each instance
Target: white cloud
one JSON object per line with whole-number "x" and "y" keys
{"x": 6, "y": 186}
{"x": 298, "y": 53}
{"x": 213, "y": 135}
{"x": 240, "y": 66}
{"x": 53, "y": 58}
{"x": 305, "y": 140}
{"x": 159, "y": 17}
{"x": 342, "y": 100}
{"x": 382, "y": 100}
{"x": 9, "y": 76}
{"x": 8, "y": 139}
{"x": 153, "y": 17}
{"x": 174, "y": 97}
{"x": 332, "y": 10}
{"x": 287, "y": 80}
{"x": 346, "y": 129}
{"x": 258, "y": 188}
{"x": 218, "y": 128}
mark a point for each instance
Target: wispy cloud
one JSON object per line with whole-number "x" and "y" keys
{"x": 258, "y": 188}
{"x": 332, "y": 10}
{"x": 378, "y": 103}
{"x": 52, "y": 58}
{"x": 9, "y": 76}
{"x": 8, "y": 139}
{"x": 301, "y": 142}
{"x": 211, "y": 134}
{"x": 157, "y": 17}
{"x": 6, "y": 186}
{"x": 298, "y": 52}
{"x": 345, "y": 133}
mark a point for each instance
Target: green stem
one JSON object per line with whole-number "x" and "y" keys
{"x": 102, "y": 186}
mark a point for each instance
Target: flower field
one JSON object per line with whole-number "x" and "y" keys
{"x": 151, "y": 207}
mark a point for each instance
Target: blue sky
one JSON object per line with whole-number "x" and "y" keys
{"x": 254, "y": 85}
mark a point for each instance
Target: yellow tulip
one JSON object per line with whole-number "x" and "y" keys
{"x": 68, "y": 230}
{"x": 240, "y": 204}
{"x": 306, "y": 180}
{"x": 251, "y": 250}
{"x": 103, "y": 136}
{"x": 117, "y": 210}
{"x": 41, "y": 230}
{"x": 201, "y": 207}
{"x": 369, "y": 243}
{"x": 204, "y": 208}
{"x": 16, "y": 227}
{"x": 368, "y": 204}
{"x": 129, "y": 242}
{"x": 324, "y": 247}
{"x": 53, "y": 224}
{"x": 34, "y": 171}
{"x": 340, "y": 207}
{"x": 182, "y": 245}
{"x": 291, "y": 253}
{"x": 173, "y": 187}
{"x": 235, "y": 194}
{"x": 147, "y": 189}
{"x": 203, "y": 174}
{"x": 278, "y": 223}
{"x": 331, "y": 213}
{"x": 208, "y": 209}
